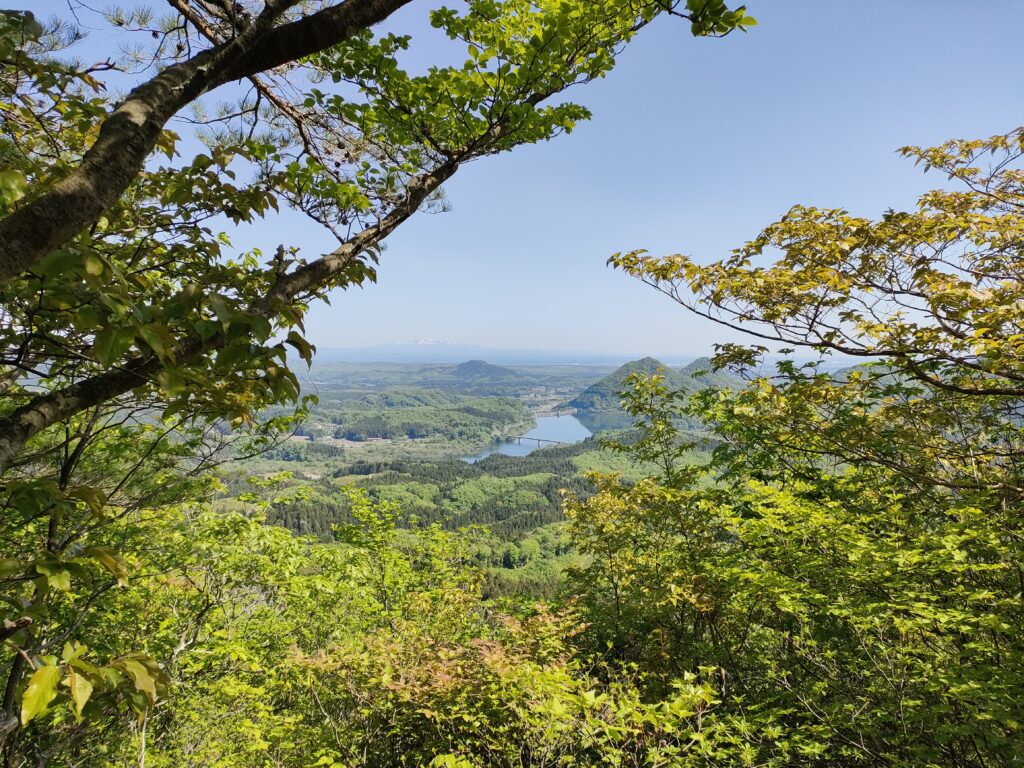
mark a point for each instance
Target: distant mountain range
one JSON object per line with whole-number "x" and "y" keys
{"x": 443, "y": 352}
{"x": 603, "y": 395}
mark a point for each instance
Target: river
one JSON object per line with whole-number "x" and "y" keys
{"x": 564, "y": 429}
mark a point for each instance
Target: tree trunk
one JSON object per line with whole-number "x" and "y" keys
{"x": 130, "y": 133}
{"x": 43, "y": 411}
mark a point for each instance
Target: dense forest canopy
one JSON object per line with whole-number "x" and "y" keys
{"x": 860, "y": 568}
{"x": 812, "y": 563}
{"x": 135, "y": 337}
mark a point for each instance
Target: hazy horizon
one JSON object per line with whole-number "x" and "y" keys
{"x": 695, "y": 145}
{"x": 808, "y": 107}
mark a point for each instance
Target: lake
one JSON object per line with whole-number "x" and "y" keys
{"x": 564, "y": 429}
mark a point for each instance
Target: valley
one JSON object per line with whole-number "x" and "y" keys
{"x": 327, "y": 438}
{"x": 441, "y": 443}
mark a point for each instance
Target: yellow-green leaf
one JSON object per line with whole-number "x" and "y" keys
{"x": 41, "y": 690}
{"x": 144, "y": 681}
{"x": 13, "y": 186}
{"x": 81, "y": 690}
{"x": 112, "y": 561}
{"x": 93, "y": 265}
{"x": 158, "y": 338}
{"x": 56, "y": 575}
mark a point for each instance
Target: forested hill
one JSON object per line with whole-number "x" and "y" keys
{"x": 700, "y": 375}
{"x": 479, "y": 371}
{"x": 603, "y": 396}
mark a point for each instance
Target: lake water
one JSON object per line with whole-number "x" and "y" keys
{"x": 564, "y": 429}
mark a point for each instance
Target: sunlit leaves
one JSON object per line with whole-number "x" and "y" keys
{"x": 75, "y": 682}
{"x": 13, "y": 186}
{"x": 937, "y": 290}
{"x": 865, "y": 520}
{"x": 811, "y": 582}
{"x": 41, "y": 690}
{"x": 144, "y": 673}
{"x": 80, "y": 689}
{"x": 153, "y": 293}
{"x": 112, "y": 561}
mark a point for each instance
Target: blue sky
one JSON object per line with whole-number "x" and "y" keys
{"x": 694, "y": 145}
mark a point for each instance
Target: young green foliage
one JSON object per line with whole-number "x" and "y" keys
{"x": 853, "y": 569}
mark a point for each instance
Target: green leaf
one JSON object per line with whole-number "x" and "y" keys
{"x": 111, "y": 344}
{"x": 112, "y": 561}
{"x": 57, "y": 263}
{"x": 57, "y": 576}
{"x": 41, "y": 690}
{"x": 303, "y": 347}
{"x": 171, "y": 382}
{"x": 222, "y": 309}
{"x": 87, "y": 318}
{"x": 94, "y": 265}
{"x": 158, "y": 338}
{"x": 13, "y": 186}
{"x": 81, "y": 690}
{"x": 94, "y": 497}
{"x": 143, "y": 679}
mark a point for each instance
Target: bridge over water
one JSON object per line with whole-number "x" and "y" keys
{"x": 554, "y": 412}
{"x": 537, "y": 440}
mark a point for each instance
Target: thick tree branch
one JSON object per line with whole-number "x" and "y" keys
{"x": 309, "y": 35}
{"x": 264, "y": 88}
{"x": 131, "y": 131}
{"x": 46, "y": 410}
